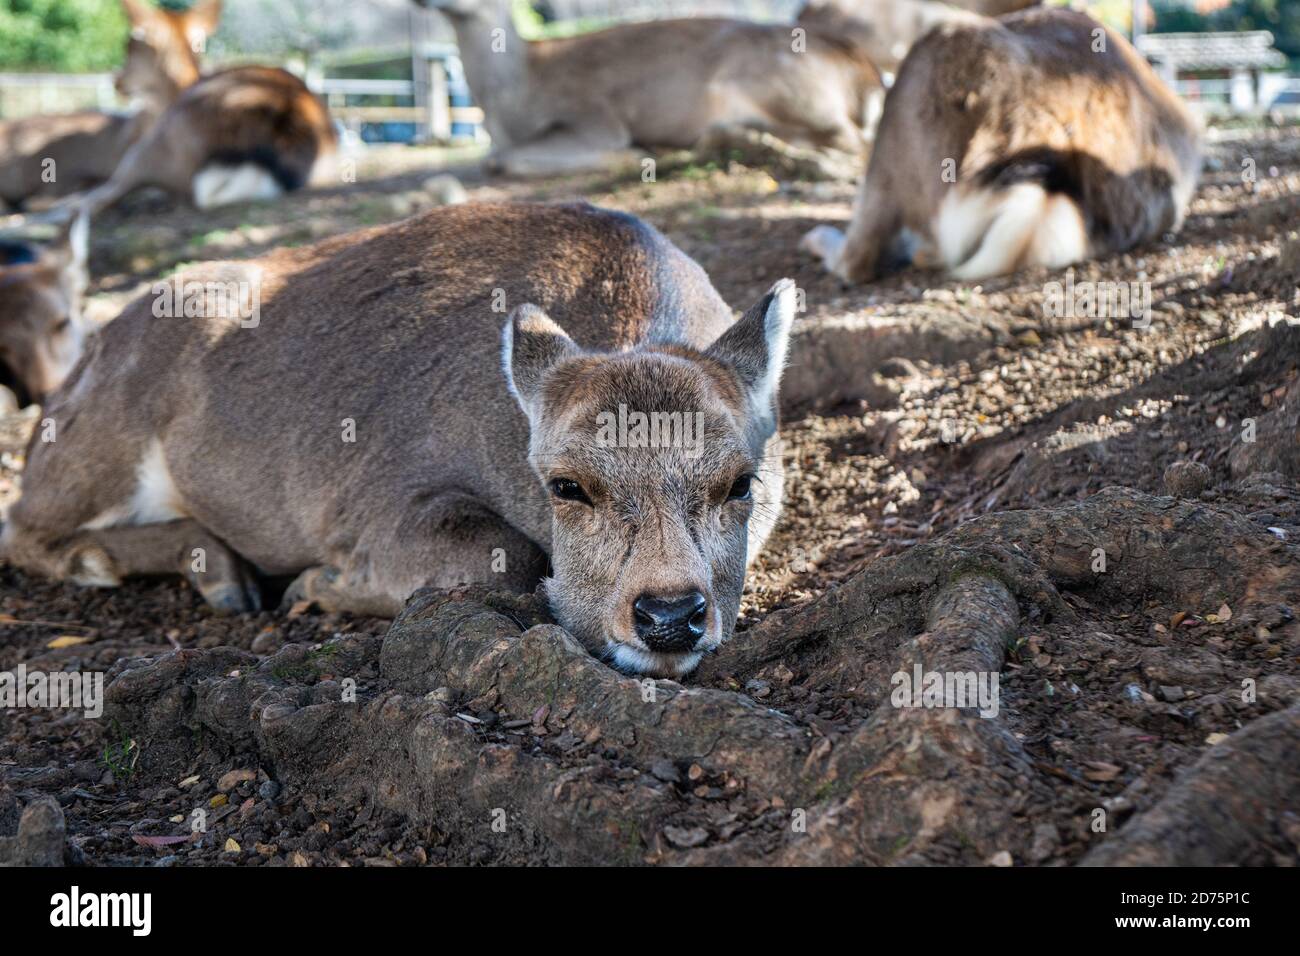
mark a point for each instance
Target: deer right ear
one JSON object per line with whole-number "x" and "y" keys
{"x": 755, "y": 346}
{"x": 531, "y": 347}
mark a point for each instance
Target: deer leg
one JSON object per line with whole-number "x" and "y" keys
{"x": 856, "y": 256}
{"x": 161, "y": 158}
{"x": 590, "y": 142}
{"x": 454, "y": 541}
{"x": 845, "y": 137}
{"x": 332, "y": 590}
{"x": 105, "y": 556}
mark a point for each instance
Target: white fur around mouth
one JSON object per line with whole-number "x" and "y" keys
{"x": 640, "y": 660}
{"x": 634, "y": 660}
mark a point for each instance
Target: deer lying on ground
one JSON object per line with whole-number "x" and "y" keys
{"x": 247, "y": 133}
{"x": 562, "y": 105}
{"x": 1038, "y": 139}
{"x": 42, "y": 330}
{"x": 372, "y": 429}
{"x": 46, "y": 157}
{"x": 886, "y": 29}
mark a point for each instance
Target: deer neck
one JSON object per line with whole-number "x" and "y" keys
{"x": 181, "y": 73}
{"x": 495, "y": 58}
{"x": 168, "y": 79}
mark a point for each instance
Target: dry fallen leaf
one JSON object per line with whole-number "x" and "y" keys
{"x": 231, "y": 846}
{"x": 159, "y": 841}
{"x": 1099, "y": 771}
{"x": 231, "y": 779}
{"x": 67, "y": 640}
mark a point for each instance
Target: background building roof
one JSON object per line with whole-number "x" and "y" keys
{"x": 1251, "y": 50}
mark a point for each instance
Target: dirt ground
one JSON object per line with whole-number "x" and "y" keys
{"x": 1107, "y": 704}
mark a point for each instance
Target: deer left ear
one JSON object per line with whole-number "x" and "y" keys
{"x": 68, "y": 255}
{"x": 755, "y": 347}
{"x": 532, "y": 345}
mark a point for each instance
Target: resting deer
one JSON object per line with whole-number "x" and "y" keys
{"x": 247, "y": 133}
{"x": 373, "y": 429}
{"x": 1038, "y": 139}
{"x": 46, "y": 157}
{"x": 886, "y": 29}
{"x": 42, "y": 331}
{"x": 556, "y": 106}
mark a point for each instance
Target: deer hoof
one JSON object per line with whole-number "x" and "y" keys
{"x": 92, "y": 567}
{"x": 315, "y": 585}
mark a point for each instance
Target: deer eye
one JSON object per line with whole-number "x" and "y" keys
{"x": 62, "y": 326}
{"x": 566, "y": 489}
{"x": 740, "y": 489}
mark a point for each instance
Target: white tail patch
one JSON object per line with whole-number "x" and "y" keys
{"x": 986, "y": 233}
{"x": 1061, "y": 237}
{"x": 154, "y": 500}
{"x": 219, "y": 185}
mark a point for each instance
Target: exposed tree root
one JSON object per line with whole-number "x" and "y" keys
{"x": 40, "y": 836}
{"x": 1276, "y": 445}
{"x": 576, "y": 763}
{"x": 1242, "y": 797}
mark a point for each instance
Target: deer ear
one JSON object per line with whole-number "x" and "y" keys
{"x": 531, "y": 347}
{"x": 68, "y": 255}
{"x": 202, "y": 19}
{"x": 755, "y": 347}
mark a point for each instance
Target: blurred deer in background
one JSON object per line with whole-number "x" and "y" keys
{"x": 1037, "y": 139}
{"x": 48, "y": 157}
{"x": 246, "y": 133}
{"x": 42, "y": 331}
{"x": 886, "y": 29}
{"x": 555, "y": 106}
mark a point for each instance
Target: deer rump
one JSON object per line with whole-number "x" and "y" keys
{"x": 1074, "y": 153}
{"x": 255, "y": 132}
{"x": 1038, "y": 139}
{"x": 1049, "y": 208}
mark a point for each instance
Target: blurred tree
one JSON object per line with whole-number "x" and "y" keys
{"x": 1117, "y": 14}
{"x": 274, "y": 28}
{"x": 63, "y": 35}
{"x": 1279, "y": 17}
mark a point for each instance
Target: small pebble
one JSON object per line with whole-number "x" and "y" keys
{"x": 1186, "y": 479}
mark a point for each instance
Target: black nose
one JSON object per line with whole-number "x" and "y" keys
{"x": 670, "y": 624}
